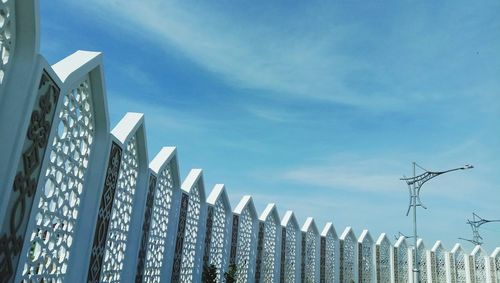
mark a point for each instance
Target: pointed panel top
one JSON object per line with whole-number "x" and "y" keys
{"x": 127, "y": 126}
{"x": 76, "y": 65}
{"x": 365, "y": 237}
{"x": 401, "y": 242}
{"x": 329, "y": 228}
{"x": 310, "y": 224}
{"x": 270, "y": 212}
{"x": 162, "y": 159}
{"x": 420, "y": 244}
{"x": 348, "y": 233}
{"x": 496, "y": 253}
{"x": 383, "y": 238}
{"x": 246, "y": 202}
{"x": 478, "y": 251}
{"x": 219, "y": 192}
{"x": 457, "y": 248}
{"x": 289, "y": 216}
{"x": 194, "y": 180}
{"x": 437, "y": 246}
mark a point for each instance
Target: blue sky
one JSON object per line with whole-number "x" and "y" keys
{"x": 317, "y": 106}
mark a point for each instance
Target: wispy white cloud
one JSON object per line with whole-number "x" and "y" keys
{"x": 160, "y": 118}
{"x": 297, "y": 62}
{"x": 273, "y": 115}
{"x": 342, "y": 174}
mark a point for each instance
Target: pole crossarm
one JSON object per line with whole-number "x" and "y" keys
{"x": 474, "y": 225}
{"x": 419, "y": 180}
{"x": 480, "y": 220}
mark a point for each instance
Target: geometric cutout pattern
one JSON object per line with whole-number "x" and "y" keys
{"x": 245, "y": 235}
{"x": 401, "y": 261}
{"x": 7, "y": 35}
{"x": 365, "y": 259}
{"x": 104, "y": 214}
{"x": 270, "y": 246}
{"x": 62, "y": 186}
{"x": 438, "y": 265}
{"x": 480, "y": 266}
{"x": 218, "y": 245}
{"x": 422, "y": 261}
{"x": 496, "y": 269}
{"x": 312, "y": 249}
{"x": 146, "y": 225}
{"x": 383, "y": 255}
{"x": 290, "y": 236}
{"x": 179, "y": 241}
{"x": 121, "y": 214}
{"x": 348, "y": 257}
{"x": 260, "y": 248}
{"x": 190, "y": 235}
{"x": 27, "y": 176}
{"x": 329, "y": 252}
{"x": 159, "y": 223}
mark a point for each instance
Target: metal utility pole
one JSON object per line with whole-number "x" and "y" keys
{"x": 476, "y": 222}
{"x": 414, "y": 185}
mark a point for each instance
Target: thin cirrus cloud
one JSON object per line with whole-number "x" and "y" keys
{"x": 298, "y": 61}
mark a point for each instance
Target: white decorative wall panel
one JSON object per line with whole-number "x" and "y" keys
{"x": 348, "y": 244}
{"x": 7, "y": 35}
{"x": 290, "y": 243}
{"x": 63, "y": 183}
{"x": 401, "y": 260}
{"x": 479, "y": 258}
{"x": 329, "y": 257}
{"x": 245, "y": 235}
{"x": 383, "y": 259}
{"x": 271, "y": 245}
{"x": 459, "y": 268}
{"x": 190, "y": 236}
{"x": 160, "y": 221}
{"x": 219, "y": 236}
{"x": 438, "y": 258}
{"x": 311, "y": 246}
{"x": 366, "y": 251}
{"x": 119, "y": 226}
{"x": 422, "y": 260}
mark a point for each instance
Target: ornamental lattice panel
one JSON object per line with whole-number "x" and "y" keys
{"x": 438, "y": 262}
{"x": 219, "y": 236}
{"x": 160, "y": 221}
{"x": 245, "y": 235}
{"x": 271, "y": 242}
{"x": 7, "y": 36}
{"x": 383, "y": 258}
{"x": 312, "y": 249}
{"x": 401, "y": 261}
{"x": 62, "y": 186}
{"x": 496, "y": 260}
{"x": 422, "y": 261}
{"x": 479, "y": 258}
{"x": 191, "y": 235}
{"x": 121, "y": 213}
{"x": 348, "y": 258}
{"x": 459, "y": 266}
{"x": 330, "y": 252}
{"x": 290, "y": 238}
{"x": 27, "y": 176}
{"x": 365, "y": 258}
